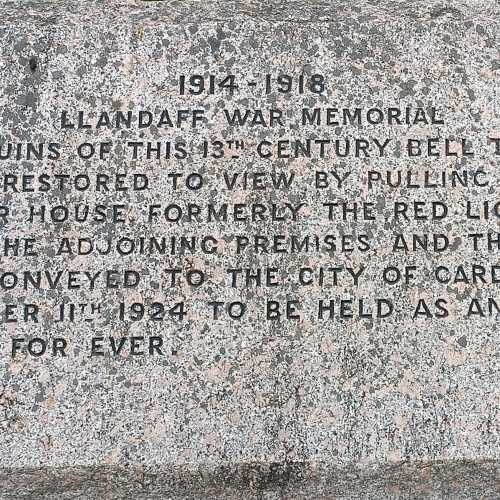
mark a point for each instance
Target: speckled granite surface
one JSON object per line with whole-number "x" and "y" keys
{"x": 397, "y": 408}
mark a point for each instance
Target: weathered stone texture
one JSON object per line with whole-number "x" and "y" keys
{"x": 253, "y": 409}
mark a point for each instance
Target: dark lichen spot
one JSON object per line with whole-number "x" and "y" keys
{"x": 443, "y": 11}
{"x": 33, "y": 64}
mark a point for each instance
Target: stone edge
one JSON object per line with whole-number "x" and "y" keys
{"x": 462, "y": 479}
{"x": 94, "y": 12}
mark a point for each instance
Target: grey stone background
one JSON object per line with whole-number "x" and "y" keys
{"x": 394, "y": 409}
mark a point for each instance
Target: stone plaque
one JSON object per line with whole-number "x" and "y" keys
{"x": 249, "y": 250}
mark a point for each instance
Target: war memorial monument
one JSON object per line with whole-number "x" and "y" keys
{"x": 250, "y": 250}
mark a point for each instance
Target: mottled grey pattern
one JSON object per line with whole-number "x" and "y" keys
{"x": 366, "y": 409}
{"x": 437, "y": 481}
{"x": 180, "y": 12}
